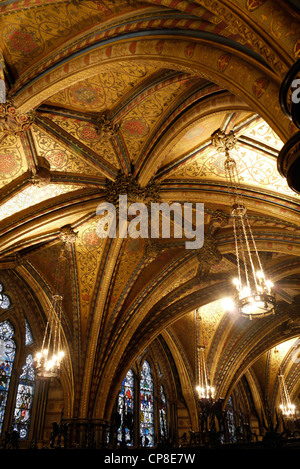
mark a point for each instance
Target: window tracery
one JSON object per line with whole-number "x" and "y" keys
{"x": 146, "y": 406}
{"x": 141, "y": 417}
{"x": 163, "y": 413}
{"x": 126, "y": 409}
{"x": 5, "y": 302}
{"x": 24, "y": 398}
{"x": 28, "y": 334}
{"x": 21, "y": 403}
{"x": 7, "y": 357}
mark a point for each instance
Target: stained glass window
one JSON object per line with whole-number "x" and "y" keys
{"x": 24, "y": 398}
{"x": 146, "y": 406}
{"x": 126, "y": 409}
{"x": 5, "y": 302}
{"x": 28, "y": 334}
{"x": 163, "y": 413}
{"x": 231, "y": 420}
{"x": 7, "y": 356}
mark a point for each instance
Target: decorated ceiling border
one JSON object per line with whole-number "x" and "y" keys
{"x": 111, "y": 34}
{"x": 212, "y": 192}
{"x": 250, "y": 21}
{"x": 187, "y": 48}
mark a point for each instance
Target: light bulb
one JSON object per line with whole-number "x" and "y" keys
{"x": 269, "y": 284}
{"x": 237, "y": 283}
{"x": 246, "y": 291}
{"x": 228, "y": 304}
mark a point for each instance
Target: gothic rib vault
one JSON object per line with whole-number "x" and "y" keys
{"x": 97, "y": 89}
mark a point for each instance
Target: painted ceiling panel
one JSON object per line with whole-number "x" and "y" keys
{"x": 255, "y": 168}
{"x": 88, "y": 134}
{"x": 13, "y": 162}
{"x": 61, "y": 158}
{"x": 105, "y": 91}
{"x": 31, "y": 195}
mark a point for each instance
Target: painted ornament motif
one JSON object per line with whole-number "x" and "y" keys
{"x": 252, "y": 5}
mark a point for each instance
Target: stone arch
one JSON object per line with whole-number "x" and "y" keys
{"x": 245, "y": 76}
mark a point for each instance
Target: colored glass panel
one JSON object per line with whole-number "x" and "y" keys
{"x": 146, "y": 406}
{"x": 163, "y": 413}
{"x": 7, "y": 356}
{"x": 5, "y": 302}
{"x": 24, "y": 399}
{"x": 28, "y": 334}
{"x": 126, "y": 410}
{"x": 231, "y": 420}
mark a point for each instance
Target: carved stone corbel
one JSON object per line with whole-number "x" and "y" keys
{"x": 67, "y": 235}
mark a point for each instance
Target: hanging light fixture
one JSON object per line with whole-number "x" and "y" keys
{"x": 203, "y": 388}
{"x": 287, "y": 408}
{"x": 254, "y": 295}
{"x": 48, "y": 360}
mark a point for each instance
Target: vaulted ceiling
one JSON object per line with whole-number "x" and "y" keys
{"x": 163, "y": 75}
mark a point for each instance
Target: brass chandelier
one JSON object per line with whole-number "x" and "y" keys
{"x": 254, "y": 293}
{"x": 286, "y": 406}
{"x": 203, "y": 388}
{"x": 49, "y": 359}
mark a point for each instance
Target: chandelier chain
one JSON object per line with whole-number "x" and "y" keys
{"x": 254, "y": 295}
